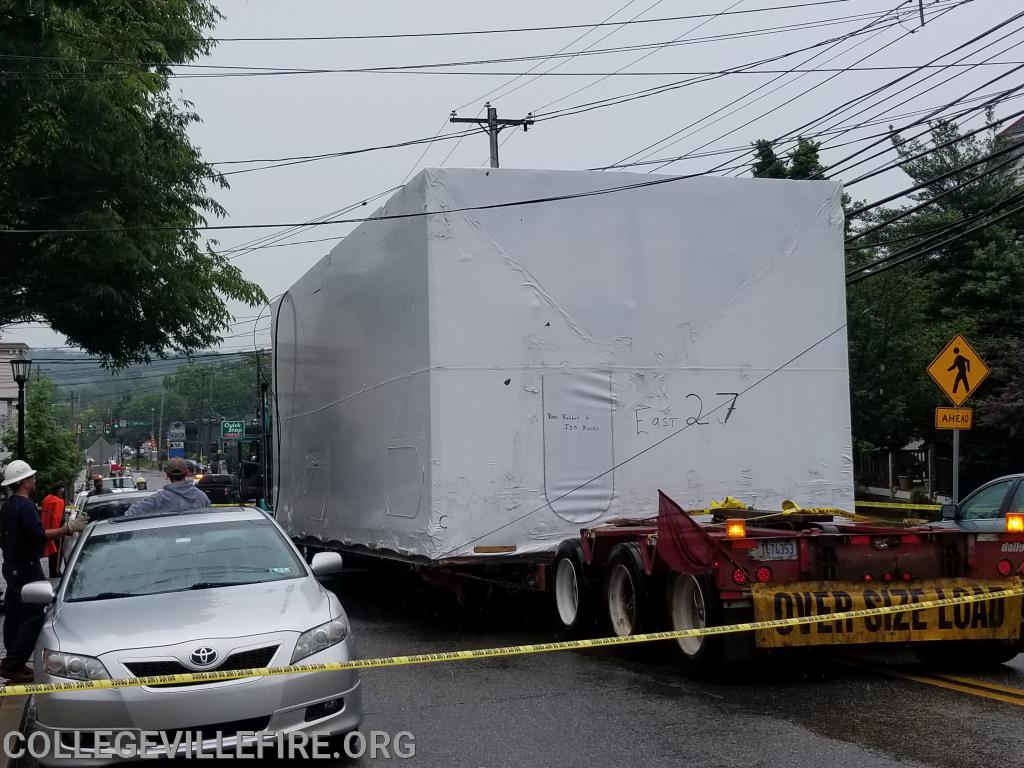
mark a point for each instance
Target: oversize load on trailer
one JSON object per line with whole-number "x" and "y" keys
{"x": 989, "y": 620}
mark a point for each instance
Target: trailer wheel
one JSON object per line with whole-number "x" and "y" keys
{"x": 967, "y": 655}
{"x": 693, "y": 604}
{"x": 626, "y": 591}
{"x": 572, "y": 593}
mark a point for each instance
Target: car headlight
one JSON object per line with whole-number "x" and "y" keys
{"x": 319, "y": 638}
{"x": 73, "y": 666}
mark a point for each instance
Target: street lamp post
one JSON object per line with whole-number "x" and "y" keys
{"x": 21, "y": 367}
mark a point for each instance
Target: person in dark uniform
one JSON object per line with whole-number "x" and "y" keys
{"x": 22, "y": 540}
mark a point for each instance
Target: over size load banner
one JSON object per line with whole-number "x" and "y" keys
{"x": 987, "y": 620}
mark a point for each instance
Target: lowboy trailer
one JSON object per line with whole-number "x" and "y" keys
{"x": 681, "y": 571}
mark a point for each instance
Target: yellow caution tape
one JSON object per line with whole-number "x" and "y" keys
{"x": 895, "y": 505}
{"x": 728, "y": 503}
{"x": 489, "y": 653}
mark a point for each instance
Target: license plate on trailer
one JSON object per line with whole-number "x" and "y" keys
{"x": 784, "y": 549}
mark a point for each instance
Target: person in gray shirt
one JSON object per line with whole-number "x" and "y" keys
{"x": 179, "y": 495}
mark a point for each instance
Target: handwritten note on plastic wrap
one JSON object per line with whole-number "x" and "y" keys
{"x": 578, "y": 443}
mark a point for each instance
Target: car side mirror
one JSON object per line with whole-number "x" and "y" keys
{"x": 949, "y": 511}
{"x": 326, "y": 564}
{"x": 37, "y": 593}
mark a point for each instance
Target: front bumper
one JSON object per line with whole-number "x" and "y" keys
{"x": 279, "y": 704}
{"x": 84, "y": 747}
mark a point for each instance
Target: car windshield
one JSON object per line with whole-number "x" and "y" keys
{"x": 150, "y": 561}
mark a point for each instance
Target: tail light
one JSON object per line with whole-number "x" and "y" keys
{"x": 763, "y": 574}
{"x": 1014, "y": 522}
{"x": 740, "y": 578}
{"x": 1005, "y": 567}
{"x": 735, "y": 529}
{"x": 1021, "y": 569}
{"x": 887, "y": 577}
{"x": 907, "y": 576}
{"x": 868, "y": 576}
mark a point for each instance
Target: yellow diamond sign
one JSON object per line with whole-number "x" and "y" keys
{"x": 958, "y": 370}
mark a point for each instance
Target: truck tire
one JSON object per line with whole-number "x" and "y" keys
{"x": 967, "y": 655}
{"x": 573, "y": 594}
{"x": 693, "y": 604}
{"x": 626, "y": 591}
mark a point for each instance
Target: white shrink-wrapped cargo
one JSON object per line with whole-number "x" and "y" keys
{"x": 488, "y": 378}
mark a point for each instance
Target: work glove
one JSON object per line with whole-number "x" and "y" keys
{"x": 79, "y": 524}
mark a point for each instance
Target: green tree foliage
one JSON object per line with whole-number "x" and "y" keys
{"x": 899, "y": 319}
{"x": 801, "y": 162}
{"x": 211, "y": 390}
{"x": 51, "y": 447}
{"x": 972, "y": 285}
{"x": 91, "y": 138}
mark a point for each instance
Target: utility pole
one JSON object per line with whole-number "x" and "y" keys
{"x": 492, "y": 126}
{"x": 160, "y": 434}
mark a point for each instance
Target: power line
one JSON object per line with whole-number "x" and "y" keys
{"x": 848, "y": 104}
{"x": 873, "y": 270}
{"x": 938, "y": 111}
{"x": 510, "y": 30}
{"x": 1008, "y": 163}
{"x": 494, "y": 91}
{"x": 1013, "y": 148}
{"x": 256, "y": 70}
{"x": 650, "y": 148}
{"x": 840, "y": 128}
{"x": 957, "y": 139}
{"x": 668, "y": 87}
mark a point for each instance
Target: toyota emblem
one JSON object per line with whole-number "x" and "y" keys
{"x": 203, "y": 657}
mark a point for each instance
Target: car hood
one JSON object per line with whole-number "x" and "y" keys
{"x": 101, "y": 626}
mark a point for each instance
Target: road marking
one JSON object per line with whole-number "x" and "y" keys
{"x": 971, "y": 687}
{"x": 980, "y": 683}
{"x": 1017, "y": 699}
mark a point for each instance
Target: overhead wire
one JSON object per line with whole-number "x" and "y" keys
{"x": 661, "y": 145}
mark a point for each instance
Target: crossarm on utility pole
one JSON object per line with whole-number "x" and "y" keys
{"x": 492, "y": 126}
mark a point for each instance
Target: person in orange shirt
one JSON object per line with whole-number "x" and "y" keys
{"x": 53, "y": 517}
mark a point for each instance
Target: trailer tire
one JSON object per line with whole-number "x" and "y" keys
{"x": 627, "y": 591}
{"x": 967, "y": 655}
{"x": 573, "y": 594}
{"x": 693, "y": 603}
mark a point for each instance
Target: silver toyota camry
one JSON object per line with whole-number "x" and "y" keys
{"x": 200, "y": 591}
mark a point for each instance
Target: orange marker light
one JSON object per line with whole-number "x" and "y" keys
{"x": 737, "y": 529}
{"x": 1014, "y": 522}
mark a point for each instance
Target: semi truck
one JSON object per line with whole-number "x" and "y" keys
{"x": 496, "y": 372}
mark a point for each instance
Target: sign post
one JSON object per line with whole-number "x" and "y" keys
{"x": 959, "y": 371}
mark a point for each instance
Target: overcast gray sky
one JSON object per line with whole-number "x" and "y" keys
{"x": 281, "y": 116}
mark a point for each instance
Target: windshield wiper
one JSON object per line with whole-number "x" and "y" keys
{"x": 215, "y": 584}
{"x": 104, "y": 596}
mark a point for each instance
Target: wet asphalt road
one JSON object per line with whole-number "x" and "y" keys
{"x": 634, "y": 707}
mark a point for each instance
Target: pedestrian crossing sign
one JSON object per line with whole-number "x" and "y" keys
{"x": 958, "y": 370}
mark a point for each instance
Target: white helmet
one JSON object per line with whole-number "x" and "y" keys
{"x": 17, "y": 471}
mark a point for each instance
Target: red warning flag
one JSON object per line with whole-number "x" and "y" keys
{"x": 682, "y": 543}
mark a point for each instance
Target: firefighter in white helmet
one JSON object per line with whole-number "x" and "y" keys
{"x": 22, "y": 540}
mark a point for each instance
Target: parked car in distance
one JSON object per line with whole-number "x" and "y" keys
{"x": 193, "y": 591}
